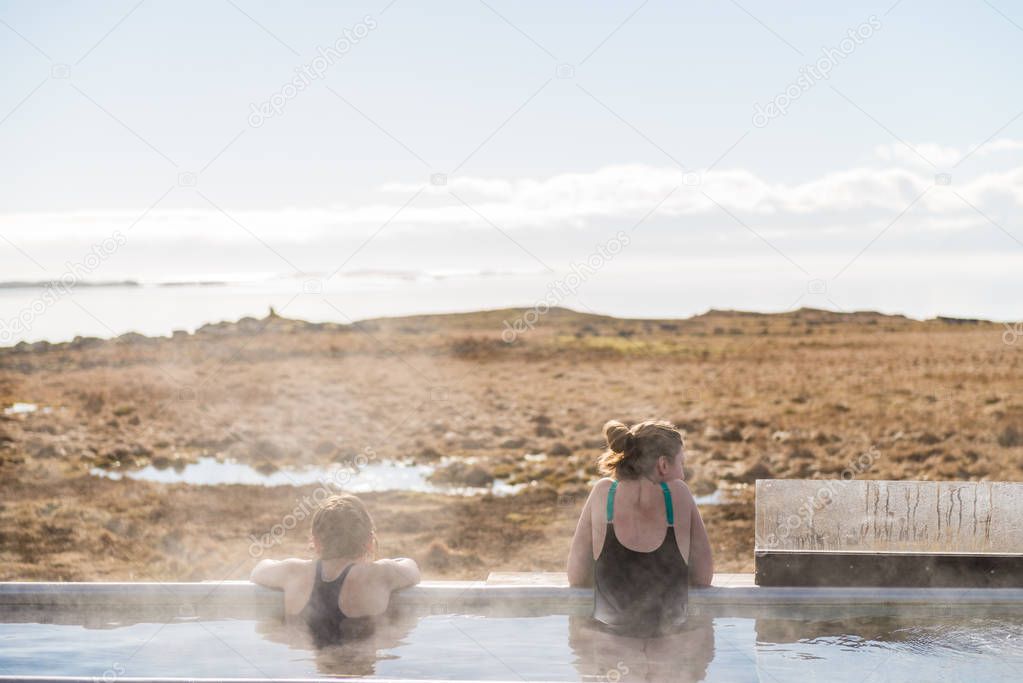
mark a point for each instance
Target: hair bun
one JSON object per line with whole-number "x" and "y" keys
{"x": 618, "y": 436}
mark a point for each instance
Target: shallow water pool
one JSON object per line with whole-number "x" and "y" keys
{"x": 373, "y": 476}
{"x": 552, "y": 647}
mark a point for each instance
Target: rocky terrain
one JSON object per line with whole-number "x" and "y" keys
{"x": 801, "y": 394}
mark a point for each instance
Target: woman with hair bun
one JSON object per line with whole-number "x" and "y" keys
{"x": 640, "y": 541}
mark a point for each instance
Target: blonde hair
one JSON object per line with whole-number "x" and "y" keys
{"x": 633, "y": 453}
{"x": 343, "y": 527}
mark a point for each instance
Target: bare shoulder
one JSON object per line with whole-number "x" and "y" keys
{"x": 368, "y": 588}
{"x": 363, "y": 572}
{"x": 680, "y": 492}
{"x": 599, "y": 492}
{"x": 386, "y": 573}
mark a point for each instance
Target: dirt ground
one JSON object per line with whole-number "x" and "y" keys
{"x": 796, "y": 395}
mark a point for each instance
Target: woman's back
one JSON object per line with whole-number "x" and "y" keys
{"x": 640, "y": 539}
{"x": 639, "y": 591}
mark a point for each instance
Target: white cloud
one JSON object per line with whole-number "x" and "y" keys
{"x": 858, "y": 196}
{"x": 929, "y": 155}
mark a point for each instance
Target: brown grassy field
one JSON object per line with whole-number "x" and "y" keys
{"x": 800, "y": 394}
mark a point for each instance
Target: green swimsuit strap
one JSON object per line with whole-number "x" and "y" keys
{"x": 611, "y": 501}
{"x": 669, "y": 509}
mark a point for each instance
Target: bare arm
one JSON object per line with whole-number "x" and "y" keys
{"x": 398, "y": 573}
{"x": 701, "y": 563}
{"x": 274, "y": 573}
{"x": 377, "y": 581}
{"x": 580, "y": 556}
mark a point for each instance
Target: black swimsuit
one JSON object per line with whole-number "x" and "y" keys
{"x": 323, "y": 613}
{"x": 641, "y": 594}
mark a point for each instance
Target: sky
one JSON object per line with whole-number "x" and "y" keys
{"x": 870, "y": 154}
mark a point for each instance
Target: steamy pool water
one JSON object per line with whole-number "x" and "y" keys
{"x": 552, "y": 647}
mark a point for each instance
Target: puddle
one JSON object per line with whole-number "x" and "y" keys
{"x": 373, "y": 476}
{"x": 719, "y": 497}
{"x": 24, "y": 409}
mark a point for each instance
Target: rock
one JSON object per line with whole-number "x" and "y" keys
{"x": 127, "y": 455}
{"x": 513, "y": 443}
{"x": 40, "y": 428}
{"x": 266, "y": 449}
{"x": 781, "y": 437}
{"x": 161, "y": 462}
{"x": 440, "y": 557}
{"x": 429, "y": 453}
{"x": 559, "y": 449}
{"x": 462, "y": 474}
{"x": 324, "y": 448}
{"x": 749, "y": 474}
{"x": 134, "y": 338}
{"x": 701, "y": 487}
{"x": 543, "y": 427}
{"x": 804, "y": 469}
{"x": 547, "y": 432}
{"x": 50, "y": 451}
{"x": 266, "y": 468}
{"x": 1010, "y": 437}
{"x": 477, "y": 476}
{"x": 93, "y": 402}
{"x": 84, "y": 342}
{"x": 732, "y": 435}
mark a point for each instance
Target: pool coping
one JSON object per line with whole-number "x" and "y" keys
{"x": 548, "y": 589}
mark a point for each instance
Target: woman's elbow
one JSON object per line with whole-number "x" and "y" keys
{"x": 414, "y": 574}
{"x": 579, "y": 577}
{"x": 256, "y": 575}
{"x": 579, "y": 581}
{"x": 704, "y": 576}
{"x": 407, "y": 573}
{"x": 702, "y": 581}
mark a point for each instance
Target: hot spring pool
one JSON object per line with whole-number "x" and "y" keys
{"x": 545, "y": 647}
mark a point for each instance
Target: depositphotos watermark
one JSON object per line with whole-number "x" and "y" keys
{"x": 74, "y": 272}
{"x": 823, "y": 497}
{"x": 317, "y": 67}
{"x": 110, "y": 675}
{"x": 308, "y": 504}
{"x": 811, "y": 74}
{"x": 559, "y": 290}
{"x": 1013, "y": 333}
